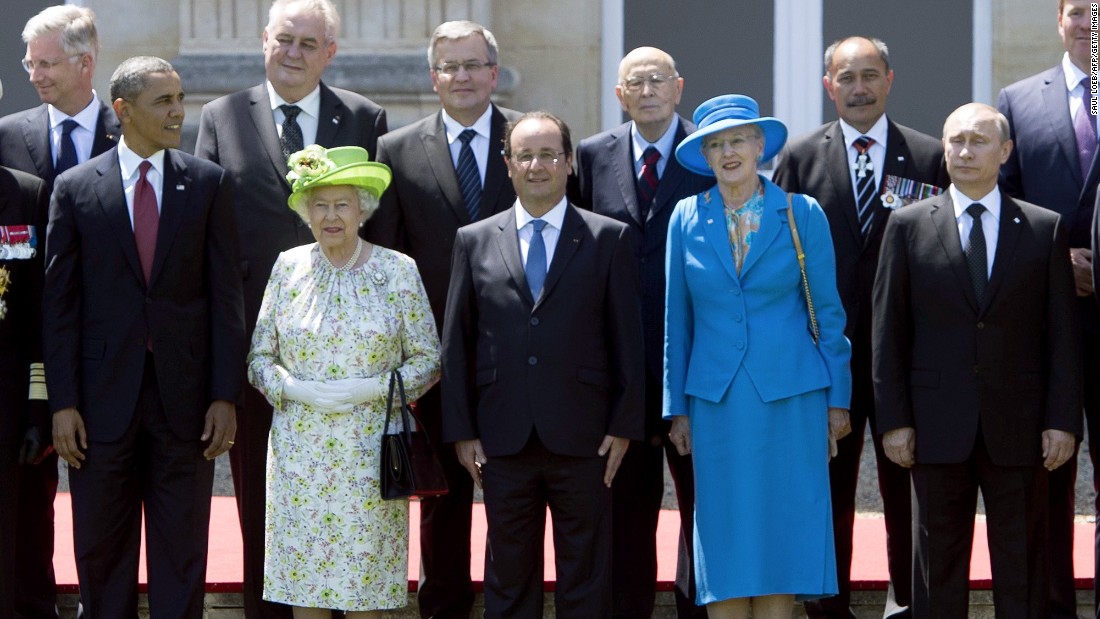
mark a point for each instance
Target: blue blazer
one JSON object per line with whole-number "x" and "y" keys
{"x": 719, "y": 323}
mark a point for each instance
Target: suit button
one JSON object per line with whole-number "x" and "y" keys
{"x": 981, "y": 325}
{"x": 148, "y": 300}
{"x": 737, "y": 317}
{"x": 532, "y": 360}
{"x": 741, "y": 345}
{"x": 534, "y": 321}
{"x": 737, "y": 292}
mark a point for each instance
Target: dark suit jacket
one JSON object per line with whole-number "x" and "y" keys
{"x": 238, "y": 132}
{"x": 606, "y": 185}
{"x": 99, "y": 311}
{"x": 423, "y": 208}
{"x": 25, "y": 140}
{"x": 817, "y": 165}
{"x": 23, "y": 202}
{"x": 566, "y": 366}
{"x": 942, "y": 364}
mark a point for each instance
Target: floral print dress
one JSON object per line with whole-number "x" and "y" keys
{"x": 331, "y": 541}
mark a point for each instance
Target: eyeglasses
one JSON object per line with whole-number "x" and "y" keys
{"x": 45, "y": 65}
{"x": 471, "y": 66}
{"x": 547, "y": 158}
{"x": 656, "y": 80}
{"x": 736, "y": 143}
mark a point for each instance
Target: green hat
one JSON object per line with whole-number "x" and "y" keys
{"x": 316, "y": 166}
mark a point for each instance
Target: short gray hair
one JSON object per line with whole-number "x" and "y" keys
{"x": 368, "y": 203}
{"x": 75, "y": 23}
{"x": 325, "y": 8}
{"x": 128, "y": 80}
{"x": 883, "y": 51}
{"x": 455, "y": 30}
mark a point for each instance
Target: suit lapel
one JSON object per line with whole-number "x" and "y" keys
{"x": 569, "y": 241}
{"x": 508, "y": 242}
{"x": 438, "y": 154}
{"x": 1008, "y": 233}
{"x": 712, "y": 213}
{"x": 943, "y": 218}
{"x": 36, "y": 135}
{"x": 496, "y": 173}
{"x": 674, "y": 175}
{"x": 174, "y": 192}
{"x": 769, "y": 228}
{"x": 621, "y": 156}
{"x": 835, "y": 154}
{"x": 263, "y": 120}
{"x": 1056, "y": 103}
{"x": 112, "y": 201}
{"x": 330, "y": 119}
{"x": 106, "y": 130}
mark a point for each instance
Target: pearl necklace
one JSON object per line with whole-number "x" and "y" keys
{"x": 347, "y": 266}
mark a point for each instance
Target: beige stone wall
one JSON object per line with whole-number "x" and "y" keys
{"x": 129, "y": 29}
{"x": 1025, "y": 40}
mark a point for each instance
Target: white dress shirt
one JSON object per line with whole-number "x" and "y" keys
{"x": 550, "y": 232}
{"x": 83, "y": 135}
{"x": 664, "y": 145}
{"x": 991, "y": 220}
{"x": 877, "y": 132}
{"x": 479, "y": 145}
{"x": 307, "y": 119}
{"x": 129, "y": 162}
{"x": 1078, "y": 97}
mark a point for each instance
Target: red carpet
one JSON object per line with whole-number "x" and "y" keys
{"x": 868, "y": 566}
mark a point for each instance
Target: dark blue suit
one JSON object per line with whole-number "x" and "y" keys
{"x": 1044, "y": 169}
{"x": 605, "y": 184}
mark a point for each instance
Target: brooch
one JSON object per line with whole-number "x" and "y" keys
{"x": 378, "y": 278}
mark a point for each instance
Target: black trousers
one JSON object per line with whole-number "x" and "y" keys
{"x": 945, "y": 500}
{"x": 893, "y": 484}
{"x": 636, "y": 496}
{"x": 28, "y": 589}
{"x": 151, "y": 470}
{"x": 518, "y": 489}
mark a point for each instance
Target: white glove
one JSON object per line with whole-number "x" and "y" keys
{"x": 312, "y": 392}
{"x": 352, "y": 391}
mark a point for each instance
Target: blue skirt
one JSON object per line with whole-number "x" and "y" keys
{"x": 763, "y": 516}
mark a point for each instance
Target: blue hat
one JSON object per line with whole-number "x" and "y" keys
{"x": 725, "y": 112}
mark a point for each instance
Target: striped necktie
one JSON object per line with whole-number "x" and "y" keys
{"x": 469, "y": 178}
{"x": 865, "y": 183}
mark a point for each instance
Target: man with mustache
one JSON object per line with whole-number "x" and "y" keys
{"x": 251, "y": 134}
{"x": 1052, "y": 119}
{"x": 829, "y": 164}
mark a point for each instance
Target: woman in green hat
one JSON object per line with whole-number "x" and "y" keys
{"x": 337, "y": 316}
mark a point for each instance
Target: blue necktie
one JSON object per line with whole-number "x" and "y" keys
{"x": 469, "y": 179}
{"x": 67, "y": 157}
{"x": 535, "y": 268}
{"x": 865, "y": 183}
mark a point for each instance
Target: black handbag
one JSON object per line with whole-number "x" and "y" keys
{"x": 409, "y": 466}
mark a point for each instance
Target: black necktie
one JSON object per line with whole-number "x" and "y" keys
{"x": 291, "y": 141}
{"x": 865, "y": 183}
{"x": 976, "y": 258}
{"x": 67, "y": 157}
{"x": 469, "y": 179}
{"x": 647, "y": 181}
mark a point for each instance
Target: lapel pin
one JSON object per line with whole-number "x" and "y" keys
{"x": 710, "y": 221}
{"x": 901, "y": 157}
{"x": 179, "y": 187}
{"x": 336, "y": 120}
{"x": 576, "y": 240}
{"x": 1016, "y": 219}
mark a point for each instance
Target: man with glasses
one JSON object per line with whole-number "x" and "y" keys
{"x": 251, "y": 134}
{"x": 71, "y": 126}
{"x": 542, "y": 377}
{"x": 447, "y": 173}
{"x": 630, "y": 173}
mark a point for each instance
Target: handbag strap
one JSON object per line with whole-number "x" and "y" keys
{"x": 398, "y": 384}
{"x": 802, "y": 267}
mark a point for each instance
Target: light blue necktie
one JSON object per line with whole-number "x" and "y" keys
{"x": 535, "y": 269}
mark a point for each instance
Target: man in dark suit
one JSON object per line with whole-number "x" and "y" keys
{"x": 824, "y": 164}
{"x": 70, "y": 126}
{"x": 143, "y": 341}
{"x": 615, "y": 179}
{"x": 1053, "y": 164}
{"x": 542, "y": 377}
{"x": 441, "y": 181}
{"x": 251, "y": 134}
{"x": 25, "y": 422}
{"x": 975, "y": 340}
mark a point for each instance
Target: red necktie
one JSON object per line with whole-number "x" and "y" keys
{"x": 647, "y": 181}
{"x": 146, "y": 220}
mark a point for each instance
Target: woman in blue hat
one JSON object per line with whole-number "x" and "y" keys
{"x": 751, "y": 395}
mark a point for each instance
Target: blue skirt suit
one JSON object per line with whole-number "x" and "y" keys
{"x": 741, "y": 363}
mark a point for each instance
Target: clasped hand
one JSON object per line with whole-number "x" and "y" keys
{"x": 338, "y": 396}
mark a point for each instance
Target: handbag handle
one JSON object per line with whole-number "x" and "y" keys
{"x": 399, "y": 383}
{"x": 802, "y": 267}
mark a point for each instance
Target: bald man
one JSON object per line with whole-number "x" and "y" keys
{"x": 613, "y": 179}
